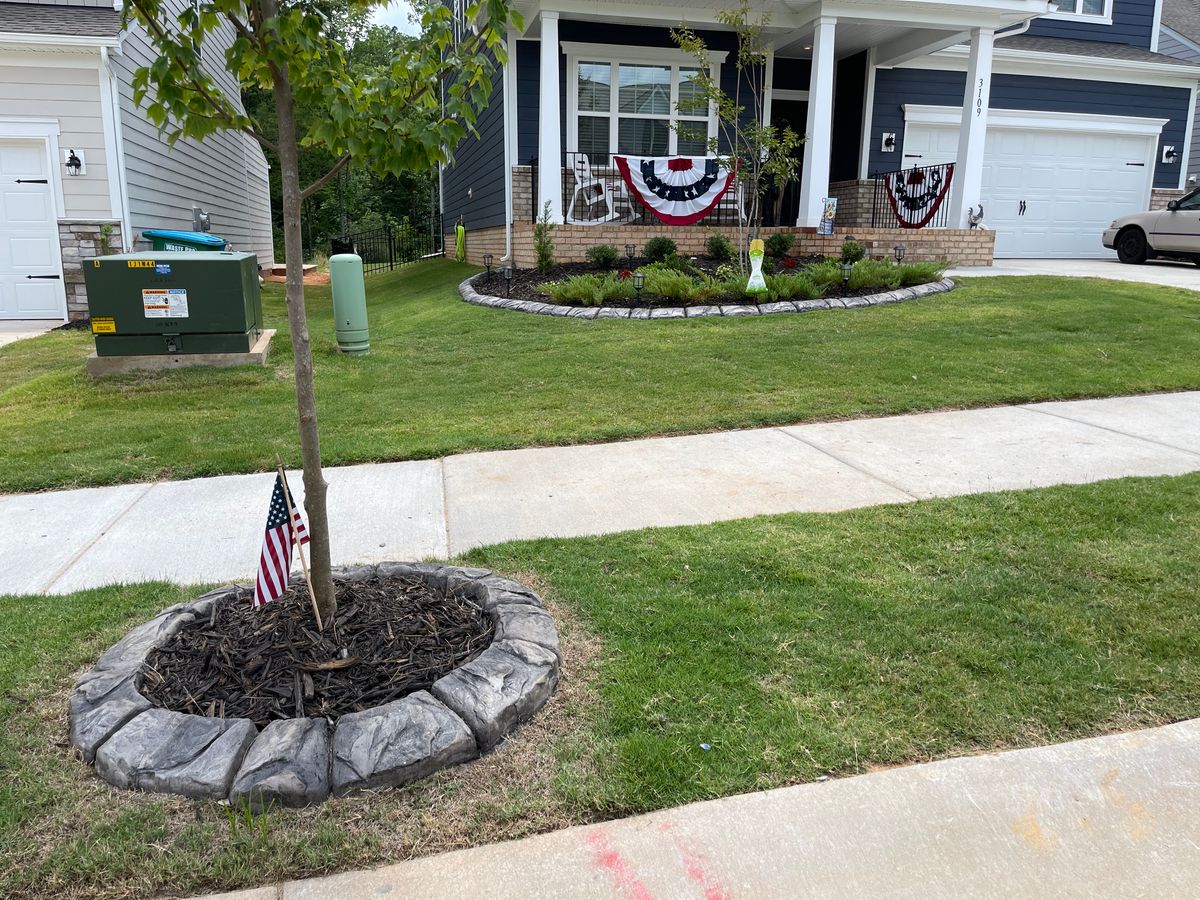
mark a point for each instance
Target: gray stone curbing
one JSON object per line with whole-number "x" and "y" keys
{"x": 299, "y": 762}
{"x": 467, "y": 290}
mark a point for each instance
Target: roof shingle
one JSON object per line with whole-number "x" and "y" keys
{"x": 1182, "y": 16}
{"x": 50, "y": 20}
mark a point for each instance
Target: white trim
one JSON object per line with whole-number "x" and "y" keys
{"x": 768, "y": 88}
{"x": 798, "y": 96}
{"x": 1156, "y": 28}
{"x": 920, "y": 114}
{"x": 1182, "y": 38}
{"x": 509, "y": 100}
{"x": 48, "y": 58}
{"x": 868, "y": 119}
{"x": 550, "y": 149}
{"x": 814, "y": 178}
{"x": 114, "y": 152}
{"x": 1007, "y": 61}
{"x": 58, "y": 40}
{"x": 635, "y": 54}
{"x": 603, "y": 53}
{"x": 1105, "y": 18}
{"x": 1185, "y": 160}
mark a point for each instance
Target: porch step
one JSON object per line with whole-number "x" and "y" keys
{"x": 281, "y": 268}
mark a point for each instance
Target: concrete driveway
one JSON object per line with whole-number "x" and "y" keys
{"x": 17, "y": 329}
{"x": 1165, "y": 272}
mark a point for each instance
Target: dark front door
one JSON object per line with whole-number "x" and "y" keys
{"x": 783, "y": 201}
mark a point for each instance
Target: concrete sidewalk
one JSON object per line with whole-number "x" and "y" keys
{"x": 1169, "y": 273}
{"x": 13, "y": 330}
{"x": 1115, "y": 816}
{"x": 210, "y": 529}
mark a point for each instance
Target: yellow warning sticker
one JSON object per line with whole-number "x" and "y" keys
{"x": 141, "y": 264}
{"x": 103, "y": 325}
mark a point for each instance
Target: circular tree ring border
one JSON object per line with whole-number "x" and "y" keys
{"x": 297, "y": 762}
{"x": 467, "y": 290}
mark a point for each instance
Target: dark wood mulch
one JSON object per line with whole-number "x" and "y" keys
{"x": 390, "y": 637}
{"x": 75, "y": 325}
{"x": 526, "y": 283}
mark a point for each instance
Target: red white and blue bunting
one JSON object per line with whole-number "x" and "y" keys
{"x": 678, "y": 190}
{"x": 917, "y": 194}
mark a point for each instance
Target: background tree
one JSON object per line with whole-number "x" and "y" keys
{"x": 762, "y": 154}
{"x": 404, "y": 116}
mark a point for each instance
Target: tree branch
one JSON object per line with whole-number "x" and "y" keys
{"x": 326, "y": 178}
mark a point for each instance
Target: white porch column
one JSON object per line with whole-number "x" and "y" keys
{"x": 550, "y": 158}
{"x": 814, "y": 180}
{"x": 972, "y": 135}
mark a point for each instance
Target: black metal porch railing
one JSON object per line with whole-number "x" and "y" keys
{"x": 921, "y": 202}
{"x": 383, "y": 249}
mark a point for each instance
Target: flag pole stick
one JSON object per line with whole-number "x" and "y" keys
{"x": 287, "y": 495}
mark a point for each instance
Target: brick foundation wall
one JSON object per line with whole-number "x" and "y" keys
{"x": 479, "y": 242}
{"x": 855, "y": 200}
{"x": 522, "y": 178}
{"x": 82, "y": 240}
{"x": 1160, "y": 197}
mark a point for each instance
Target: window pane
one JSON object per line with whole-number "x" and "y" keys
{"x": 1093, "y": 7}
{"x": 645, "y": 89}
{"x": 691, "y": 141}
{"x": 1067, "y": 6}
{"x": 643, "y": 137}
{"x": 593, "y": 139}
{"x": 691, "y": 100}
{"x": 595, "y": 84}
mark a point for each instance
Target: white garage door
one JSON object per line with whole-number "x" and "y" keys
{"x": 31, "y": 285}
{"x": 1048, "y": 193}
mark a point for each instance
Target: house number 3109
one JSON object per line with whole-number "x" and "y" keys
{"x": 979, "y": 99}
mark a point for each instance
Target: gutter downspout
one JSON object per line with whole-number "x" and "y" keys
{"x": 510, "y": 99}
{"x": 118, "y": 163}
{"x": 1017, "y": 30}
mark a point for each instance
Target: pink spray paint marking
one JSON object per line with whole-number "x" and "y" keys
{"x": 607, "y": 857}
{"x": 697, "y": 869}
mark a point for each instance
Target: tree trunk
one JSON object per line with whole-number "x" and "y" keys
{"x": 306, "y": 405}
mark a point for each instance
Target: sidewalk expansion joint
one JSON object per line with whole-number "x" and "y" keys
{"x": 104, "y": 529}
{"x": 1110, "y": 430}
{"x": 850, "y": 465}
{"x": 445, "y": 506}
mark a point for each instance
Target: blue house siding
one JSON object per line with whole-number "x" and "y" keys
{"x": 849, "y": 95}
{"x": 529, "y": 85}
{"x": 1132, "y": 23}
{"x": 473, "y": 184}
{"x": 896, "y": 87}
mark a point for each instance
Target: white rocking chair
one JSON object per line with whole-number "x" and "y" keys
{"x": 594, "y": 192}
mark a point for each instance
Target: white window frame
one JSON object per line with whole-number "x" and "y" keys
{"x": 615, "y": 55}
{"x": 1102, "y": 18}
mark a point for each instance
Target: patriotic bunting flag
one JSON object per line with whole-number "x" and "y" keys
{"x": 275, "y": 561}
{"x": 917, "y": 194}
{"x": 678, "y": 190}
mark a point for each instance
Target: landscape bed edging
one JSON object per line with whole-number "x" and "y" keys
{"x": 297, "y": 762}
{"x": 467, "y": 290}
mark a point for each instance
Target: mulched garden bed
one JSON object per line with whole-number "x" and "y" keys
{"x": 390, "y": 638}
{"x": 526, "y": 284}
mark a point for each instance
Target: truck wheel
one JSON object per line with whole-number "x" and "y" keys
{"x": 1131, "y": 246}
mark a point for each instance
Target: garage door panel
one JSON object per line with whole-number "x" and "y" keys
{"x": 31, "y": 285}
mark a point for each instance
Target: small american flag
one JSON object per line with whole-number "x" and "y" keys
{"x": 275, "y": 563}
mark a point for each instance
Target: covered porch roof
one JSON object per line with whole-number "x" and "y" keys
{"x": 897, "y": 30}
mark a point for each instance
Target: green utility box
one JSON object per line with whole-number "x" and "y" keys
{"x": 149, "y": 304}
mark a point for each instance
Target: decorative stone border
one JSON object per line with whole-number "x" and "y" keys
{"x": 296, "y": 762}
{"x": 469, "y": 294}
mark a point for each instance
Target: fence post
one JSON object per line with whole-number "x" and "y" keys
{"x": 391, "y": 249}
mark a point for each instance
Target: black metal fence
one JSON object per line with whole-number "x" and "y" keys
{"x": 383, "y": 249}
{"x": 912, "y": 198}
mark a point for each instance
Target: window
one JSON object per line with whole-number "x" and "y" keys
{"x": 1089, "y": 9}
{"x": 619, "y": 106}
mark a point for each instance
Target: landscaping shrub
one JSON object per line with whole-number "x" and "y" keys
{"x": 590, "y": 290}
{"x": 602, "y": 256}
{"x": 852, "y": 251}
{"x": 669, "y": 284}
{"x": 658, "y": 249}
{"x": 718, "y": 247}
{"x": 779, "y": 244}
{"x": 922, "y": 272}
{"x": 543, "y": 243}
{"x": 791, "y": 287}
{"x": 725, "y": 272}
{"x": 869, "y": 274}
{"x": 824, "y": 274}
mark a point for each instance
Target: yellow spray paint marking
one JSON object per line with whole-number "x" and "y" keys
{"x": 1138, "y": 823}
{"x": 1028, "y": 829}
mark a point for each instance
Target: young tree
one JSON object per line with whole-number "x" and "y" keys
{"x": 402, "y": 117}
{"x": 760, "y": 153}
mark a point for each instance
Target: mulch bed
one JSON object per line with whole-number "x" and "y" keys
{"x": 526, "y": 284}
{"x": 75, "y": 325}
{"x": 390, "y": 638}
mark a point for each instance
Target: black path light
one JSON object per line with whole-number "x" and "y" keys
{"x": 847, "y": 269}
{"x": 508, "y": 277}
{"x": 899, "y": 251}
{"x": 639, "y": 281}
{"x": 487, "y": 261}
{"x": 629, "y": 248}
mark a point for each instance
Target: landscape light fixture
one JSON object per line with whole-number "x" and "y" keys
{"x": 487, "y": 261}
{"x": 847, "y": 268}
{"x": 629, "y": 248}
{"x": 899, "y": 251}
{"x": 74, "y": 163}
{"x": 639, "y": 280}
{"x": 508, "y": 277}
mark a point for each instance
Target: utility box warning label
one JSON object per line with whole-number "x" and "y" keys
{"x": 165, "y": 303}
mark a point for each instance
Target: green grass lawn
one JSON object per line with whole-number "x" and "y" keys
{"x": 795, "y": 646}
{"x": 444, "y": 377}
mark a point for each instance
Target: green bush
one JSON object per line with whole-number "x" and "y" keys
{"x": 543, "y": 243}
{"x": 922, "y": 272}
{"x": 869, "y": 274}
{"x": 718, "y": 247}
{"x": 726, "y": 271}
{"x": 779, "y": 244}
{"x": 669, "y": 284}
{"x": 658, "y": 249}
{"x": 852, "y": 251}
{"x": 791, "y": 287}
{"x": 824, "y": 275}
{"x": 602, "y": 256}
{"x": 589, "y": 290}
